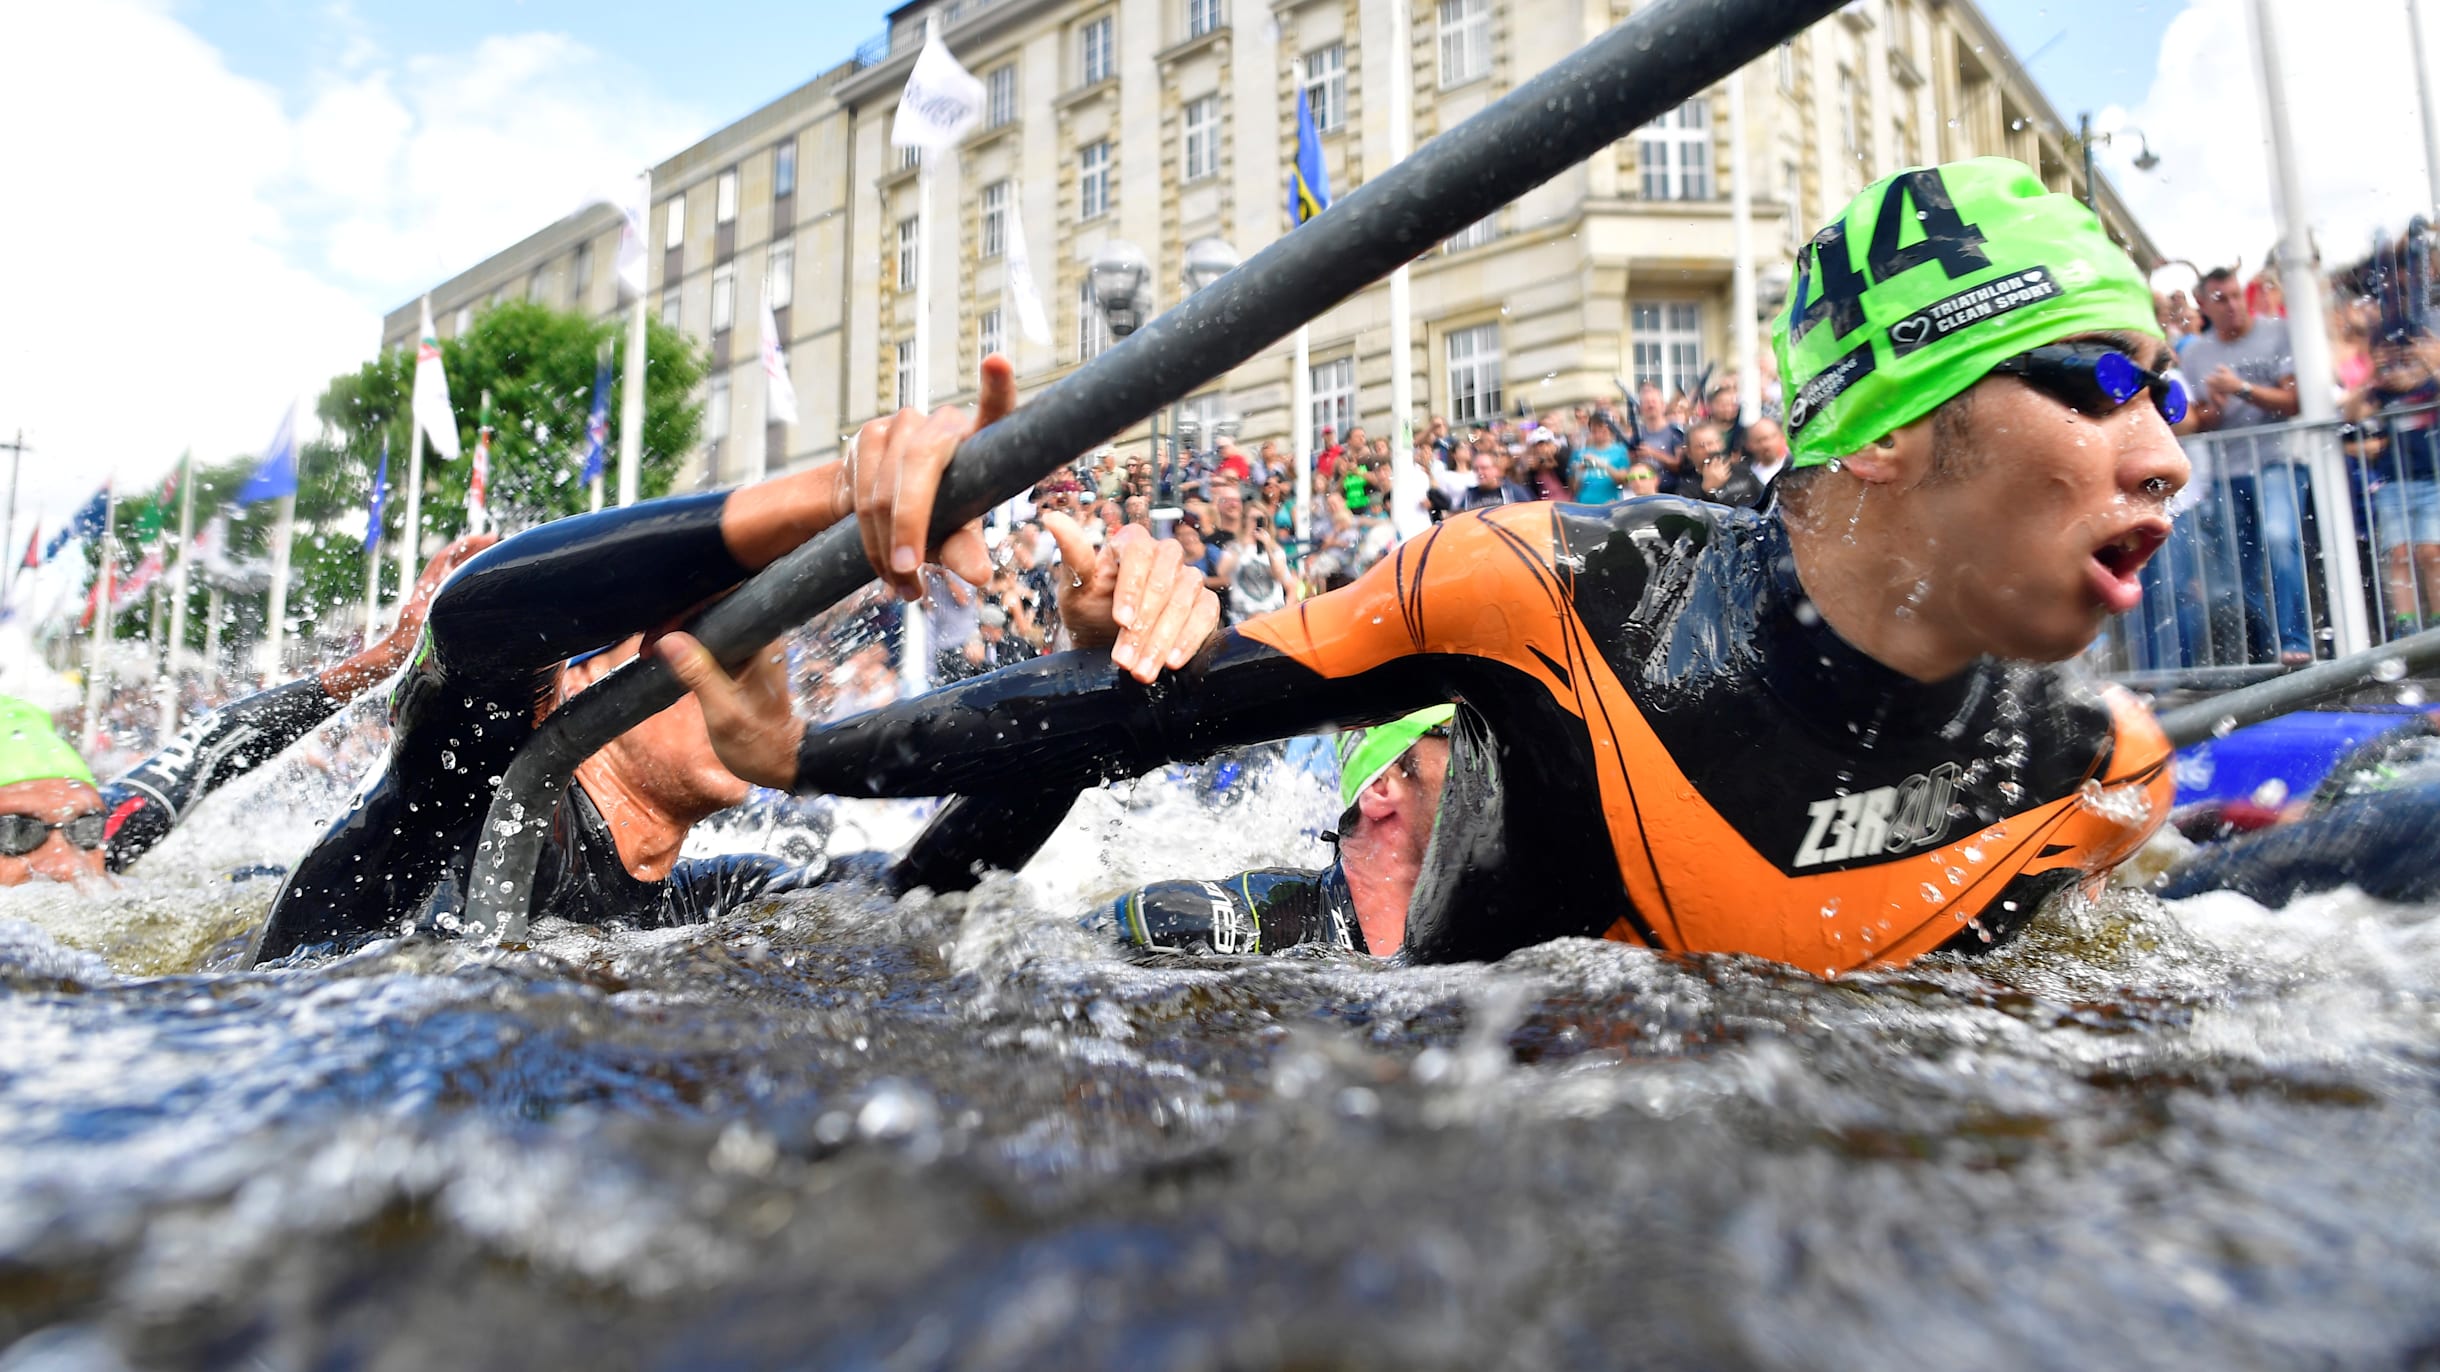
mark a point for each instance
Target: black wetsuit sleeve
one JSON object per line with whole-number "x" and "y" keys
{"x": 1262, "y": 911}
{"x": 147, "y": 802}
{"x": 574, "y": 585}
{"x": 1071, "y": 720}
{"x": 699, "y": 889}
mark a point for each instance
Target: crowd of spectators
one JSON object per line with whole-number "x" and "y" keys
{"x": 2241, "y": 580}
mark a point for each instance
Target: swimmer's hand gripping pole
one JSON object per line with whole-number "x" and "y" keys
{"x": 1650, "y": 64}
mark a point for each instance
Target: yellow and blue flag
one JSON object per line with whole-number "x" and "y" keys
{"x": 1309, "y": 183}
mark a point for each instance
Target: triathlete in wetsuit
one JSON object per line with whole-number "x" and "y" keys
{"x": 1819, "y": 734}
{"x": 1390, "y": 780}
{"x": 496, "y": 660}
{"x": 57, "y": 824}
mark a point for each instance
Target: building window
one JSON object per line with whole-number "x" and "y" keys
{"x": 724, "y": 198}
{"x": 783, "y": 169}
{"x": 1334, "y": 401}
{"x": 910, "y": 157}
{"x": 1000, "y": 96}
{"x": 1326, "y": 86}
{"x": 1099, "y": 55}
{"x": 716, "y": 411}
{"x": 995, "y": 219}
{"x": 1199, "y": 421}
{"x": 1465, "y": 40}
{"x": 673, "y": 225}
{"x": 1675, "y": 153}
{"x": 1910, "y": 148}
{"x": 1850, "y": 126}
{"x": 1668, "y": 344}
{"x": 1474, "y": 374}
{"x": 906, "y": 254}
{"x": 724, "y": 297}
{"x": 1202, "y": 16}
{"x": 1093, "y": 181}
{"x": 1092, "y": 331}
{"x": 533, "y": 286}
{"x": 1202, "y": 137}
{"x": 779, "y": 275}
{"x": 1787, "y": 68}
{"x": 1474, "y": 235}
{"x": 463, "y": 322}
{"x": 669, "y": 306}
{"x": 906, "y": 373}
{"x": 987, "y": 339}
{"x": 580, "y": 276}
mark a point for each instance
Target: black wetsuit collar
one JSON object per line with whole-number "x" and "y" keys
{"x": 1825, "y": 678}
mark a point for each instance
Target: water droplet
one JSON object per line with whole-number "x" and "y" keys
{"x": 1931, "y": 894}
{"x": 1830, "y": 908}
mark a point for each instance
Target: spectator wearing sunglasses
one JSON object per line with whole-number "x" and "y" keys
{"x": 1702, "y": 728}
{"x": 58, "y": 824}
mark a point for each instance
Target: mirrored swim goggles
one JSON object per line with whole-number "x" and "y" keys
{"x": 2094, "y": 379}
{"x": 22, "y": 834}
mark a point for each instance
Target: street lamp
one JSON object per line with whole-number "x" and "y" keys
{"x": 2145, "y": 158}
{"x": 1207, "y": 260}
{"x": 1120, "y": 274}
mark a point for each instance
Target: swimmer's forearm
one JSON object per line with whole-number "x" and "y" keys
{"x": 765, "y": 521}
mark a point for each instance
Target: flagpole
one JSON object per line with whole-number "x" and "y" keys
{"x": 186, "y": 540}
{"x": 1300, "y": 407}
{"x": 98, "y": 644}
{"x": 372, "y": 565}
{"x": 283, "y": 535}
{"x": 914, "y": 639}
{"x": 1414, "y": 518}
{"x": 478, "y": 484}
{"x": 8, "y": 532}
{"x": 410, "y": 545}
{"x": 631, "y": 403}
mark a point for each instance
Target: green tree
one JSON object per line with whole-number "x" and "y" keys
{"x": 538, "y": 365}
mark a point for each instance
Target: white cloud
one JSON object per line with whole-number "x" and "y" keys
{"x": 2351, "y": 106}
{"x": 190, "y": 249}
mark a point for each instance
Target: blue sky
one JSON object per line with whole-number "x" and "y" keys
{"x": 304, "y": 165}
{"x": 2087, "y": 54}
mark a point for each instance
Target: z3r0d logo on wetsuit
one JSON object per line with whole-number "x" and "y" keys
{"x": 1882, "y": 821}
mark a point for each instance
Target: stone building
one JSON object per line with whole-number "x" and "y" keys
{"x": 1165, "y": 121}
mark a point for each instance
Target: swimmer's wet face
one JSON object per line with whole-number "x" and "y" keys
{"x": 2028, "y": 521}
{"x": 70, "y": 813}
{"x": 668, "y": 757}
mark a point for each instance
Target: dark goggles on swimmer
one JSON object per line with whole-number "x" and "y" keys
{"x": 2094, "y": 379}
{"x": 22, "y": 834}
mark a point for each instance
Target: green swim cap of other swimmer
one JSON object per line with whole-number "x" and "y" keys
{"x": 51, "y": 821}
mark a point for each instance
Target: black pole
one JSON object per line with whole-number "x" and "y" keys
{"x": 2412, "y": 655}
{"x": 1650, "y": 64}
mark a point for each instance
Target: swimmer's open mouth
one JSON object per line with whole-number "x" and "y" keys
{"x": 2117, "y": 565}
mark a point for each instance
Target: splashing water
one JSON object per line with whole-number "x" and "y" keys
{"x": 834, "y": 1130}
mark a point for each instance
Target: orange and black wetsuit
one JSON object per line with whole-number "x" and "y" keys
{"x": 1659, "y": 741}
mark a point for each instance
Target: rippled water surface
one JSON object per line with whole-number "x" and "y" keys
{"x": 837, "y": 1131}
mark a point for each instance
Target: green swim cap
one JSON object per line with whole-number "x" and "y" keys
{"x": 1367, "y": 753}
{"x": 31, "y": 751}
{"x": 1928, "y": 278}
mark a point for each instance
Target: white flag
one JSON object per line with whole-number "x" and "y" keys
{"x": 632, "y": 236}
{"x": 1021, "y": 279}
{"x": 432, "y": 412}
{"x": 775, "y": 370}
{"x": 941, "y": 102}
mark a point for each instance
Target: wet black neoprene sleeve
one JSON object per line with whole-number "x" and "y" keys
{"x": 573, "y": 585}
{"x": 149, "y": 800}
{"x": 1071, "y": 720}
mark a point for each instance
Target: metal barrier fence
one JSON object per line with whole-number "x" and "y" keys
{"x": 2293, "y": 542}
